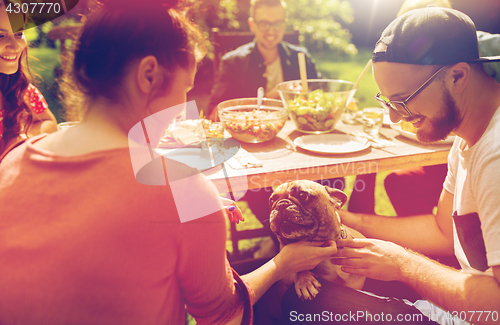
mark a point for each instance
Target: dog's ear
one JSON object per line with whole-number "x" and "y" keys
{"x": 337, "y": 196}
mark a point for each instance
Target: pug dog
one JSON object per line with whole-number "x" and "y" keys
{"x": 305, "y": 210}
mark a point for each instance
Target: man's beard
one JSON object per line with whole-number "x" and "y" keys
{"x": 443, "y": 124}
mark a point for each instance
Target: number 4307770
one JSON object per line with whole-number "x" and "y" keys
{"x": 34, "y": 8}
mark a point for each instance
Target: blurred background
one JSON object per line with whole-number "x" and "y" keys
{"x": 340, "y": 34}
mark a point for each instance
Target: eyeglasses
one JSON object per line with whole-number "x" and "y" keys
{"x": 400, "y": 107}
{"x": 264, "y": 25}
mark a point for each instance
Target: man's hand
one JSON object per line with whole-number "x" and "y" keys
{"x": 373, "y": 258}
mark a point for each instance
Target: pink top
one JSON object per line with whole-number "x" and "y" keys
{"x": 35, "y": 100}
{"x": 82, "y": 242}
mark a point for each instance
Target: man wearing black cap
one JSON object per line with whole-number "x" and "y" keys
{"x": 428, "y": 70}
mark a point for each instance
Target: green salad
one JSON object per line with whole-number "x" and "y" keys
{"x": 317, "y": 111}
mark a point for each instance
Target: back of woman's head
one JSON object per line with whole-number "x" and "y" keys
{"x": 120, "y": 32}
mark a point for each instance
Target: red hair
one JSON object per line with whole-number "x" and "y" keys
{"x": 121, "y": 32}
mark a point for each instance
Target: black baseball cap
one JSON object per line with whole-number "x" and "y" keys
{"x": 430, "y": 36}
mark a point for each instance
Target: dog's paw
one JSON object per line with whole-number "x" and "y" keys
{"x": 306, "y": 285}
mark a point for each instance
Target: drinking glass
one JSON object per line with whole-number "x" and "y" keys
{"x": 65, "y": 125}
{"x": 372, "y": 120}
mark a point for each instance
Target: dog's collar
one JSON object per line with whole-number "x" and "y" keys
{"x": 343, "y": 234}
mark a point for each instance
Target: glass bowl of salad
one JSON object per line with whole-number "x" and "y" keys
{"x": 319, "y": 109}
{"x": 246, "y": 123}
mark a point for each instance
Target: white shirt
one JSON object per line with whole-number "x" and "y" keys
{"x": 473, "y": 178}
{"x": 274, "y": 75}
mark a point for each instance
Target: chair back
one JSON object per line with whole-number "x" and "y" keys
{"x": 224, "y": 42}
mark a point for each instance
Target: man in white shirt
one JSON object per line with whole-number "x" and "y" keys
{"x": 429, "y": 73}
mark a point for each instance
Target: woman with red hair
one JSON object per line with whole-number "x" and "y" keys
{"x": 23, "y": 111}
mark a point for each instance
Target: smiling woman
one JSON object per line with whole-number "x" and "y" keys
{"x": 11, "y": 49}
{"x": 24, "y": 111}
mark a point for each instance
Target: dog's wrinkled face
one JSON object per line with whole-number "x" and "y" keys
{"x": 305, "y": 210}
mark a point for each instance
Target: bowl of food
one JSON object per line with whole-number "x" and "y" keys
{"x": 318, "y": 109}
{"x": 247, "y": 123}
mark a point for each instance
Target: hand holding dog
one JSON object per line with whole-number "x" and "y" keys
{"x": 373, "y": 258}
{"x": 304, "y": 255}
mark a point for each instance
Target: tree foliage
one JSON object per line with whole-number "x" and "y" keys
{"x": 322, "y": 23}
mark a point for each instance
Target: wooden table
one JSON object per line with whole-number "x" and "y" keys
{"x": 283, "y": 163}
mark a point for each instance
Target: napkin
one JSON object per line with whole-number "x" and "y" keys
{"x": 243, "y": 159}
{"x": 381, "y": 143}
{"x": 376, "y": 142}
{"x": 188, "y": 133}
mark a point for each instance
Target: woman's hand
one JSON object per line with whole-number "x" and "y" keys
{"x": 232, "y": 210}
{"x": 44, "y": 122}
{"x": 373, "y": 258}
{"x": 303, "y": 255}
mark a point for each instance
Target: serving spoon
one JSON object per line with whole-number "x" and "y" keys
{"x": 260, "y": 95}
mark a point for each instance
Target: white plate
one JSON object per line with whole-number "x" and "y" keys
{"x": 331, "y": 143}
{"x": 413, "y": 136}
